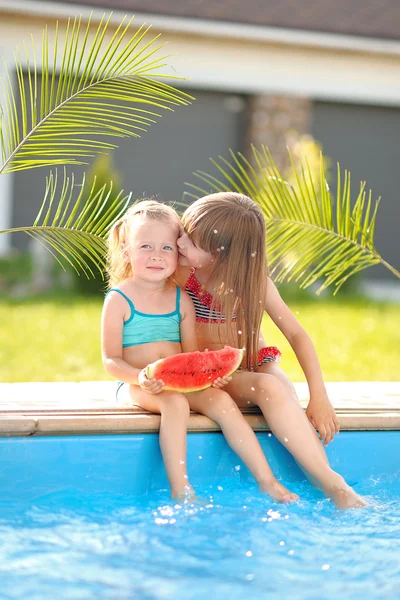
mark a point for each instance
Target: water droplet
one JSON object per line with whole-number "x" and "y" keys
{"x": 237, "y": 468}
{"x": 220, "y": 488}
{"x": 253, "y": 254}
{"x": 281, "y": 543}
{"x": 270, "y": 435}
{"x": 218, "y": 249}
{"x": 222, "y": 247}
{"x": 291, "y": 552}
{"x": 325, "y": 567}
{"x": 253, "y": 389}
{"x": 240, "y": 332}
{"x": 215, "y": 230}
{"x": 248, "y": 402}
{"x": 249, "y": 553}
{"x": 200, "y": 457}
{"x": 182, "y": 462}
{"x": 250, "y": 577}
{"x": 286, "y": 439}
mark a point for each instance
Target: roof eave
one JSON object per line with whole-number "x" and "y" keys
{"x": 212, "y": 28}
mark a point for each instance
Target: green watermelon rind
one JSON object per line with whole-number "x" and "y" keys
{"x": 151, "y": 370}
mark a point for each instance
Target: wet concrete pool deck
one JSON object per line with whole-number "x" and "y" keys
{"x": 90, "y": 407}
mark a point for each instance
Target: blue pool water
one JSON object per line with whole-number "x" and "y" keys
{"x": 89, "y": 518}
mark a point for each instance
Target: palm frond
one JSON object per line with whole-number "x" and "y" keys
{"x": 90, "y": 91}
{"x": 310, "y": 237}
{"x": 75, "y": 229}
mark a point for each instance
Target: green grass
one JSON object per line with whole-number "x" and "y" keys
{"x": 58, "y": 339}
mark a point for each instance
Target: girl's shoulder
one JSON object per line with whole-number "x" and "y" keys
{"x": 272, "y": 296}
{"x": 117, "y": 298}
{"x": 118, "y": 290}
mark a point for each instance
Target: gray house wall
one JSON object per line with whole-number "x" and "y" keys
{"x": 161, "y": 161}
{"x": 365, "y": 140}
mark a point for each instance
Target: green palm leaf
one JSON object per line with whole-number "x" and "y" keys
{"x": 310, "y": 237}
{"x": 100, "y": 86}
{"x": 75, "y": 230}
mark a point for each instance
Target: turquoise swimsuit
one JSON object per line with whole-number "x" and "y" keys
{"x": 142, "y": 328}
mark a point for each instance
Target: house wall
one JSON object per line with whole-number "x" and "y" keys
{"x": 160, "y": 162}
{"x": 330, "y": 69}
{"x": 365, "y": 141}
{"x": 271, "y": 120}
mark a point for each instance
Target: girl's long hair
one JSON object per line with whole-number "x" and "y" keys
{"x": 118, "y": 268}
{"x": 231, "y": 227}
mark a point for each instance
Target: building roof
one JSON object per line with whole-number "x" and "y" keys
{"x": 367, "y": 18}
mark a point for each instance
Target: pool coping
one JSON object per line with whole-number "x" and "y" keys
{"x": 40, "y": 409}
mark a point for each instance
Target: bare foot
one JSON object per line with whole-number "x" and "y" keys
{"x": 186, "y": 495}
{"x": 277, "y": 491}
{"x": 344, "y": 496}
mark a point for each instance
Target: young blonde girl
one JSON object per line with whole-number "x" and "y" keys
{"x": 223, "y": 257}
{"x": 146, "y": 317}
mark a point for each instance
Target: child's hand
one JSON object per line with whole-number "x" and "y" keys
{"x": 153, "y": 386}
{"x": 221, "y": 382}
{"x": 322, "y": 416}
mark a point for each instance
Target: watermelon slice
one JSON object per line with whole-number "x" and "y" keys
{"x": 195, "y": 371}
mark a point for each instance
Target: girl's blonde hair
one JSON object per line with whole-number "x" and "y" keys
{"x": 118, "y": 268}
{"x": 231, "y": 227}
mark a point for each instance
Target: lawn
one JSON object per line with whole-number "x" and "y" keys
{"x": 57, "y": 339}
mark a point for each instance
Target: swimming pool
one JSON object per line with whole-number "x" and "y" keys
{"x": 89, "y": 516}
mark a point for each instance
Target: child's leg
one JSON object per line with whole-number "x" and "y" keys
{"x": 174, "y": 411}
{"x": 291, "y": 426}
{"x": 272, "y": 368}
{"x": 219, "y": 406}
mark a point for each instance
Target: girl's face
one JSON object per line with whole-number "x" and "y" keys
{"x": 192, "y": 256}
{"x": 152, "y": 249}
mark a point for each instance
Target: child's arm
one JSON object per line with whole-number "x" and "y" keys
{"x": 188, "y": 324}
{"x": 114, "y": 313}
{"x": 189, "y": 335}
{"x": 320, "y": 412}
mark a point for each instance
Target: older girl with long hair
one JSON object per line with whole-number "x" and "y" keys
{"x": 223, "y": 257}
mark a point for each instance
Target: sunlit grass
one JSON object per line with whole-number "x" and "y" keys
{"x": 357, "y": 341}
{"x": 51, "y": 340}
{"x": 59, "y": 339}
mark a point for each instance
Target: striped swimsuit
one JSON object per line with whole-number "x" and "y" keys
{"x": 202, "y": 301}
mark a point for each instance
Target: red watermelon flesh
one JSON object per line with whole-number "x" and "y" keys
{"x": 194, "y": 371}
